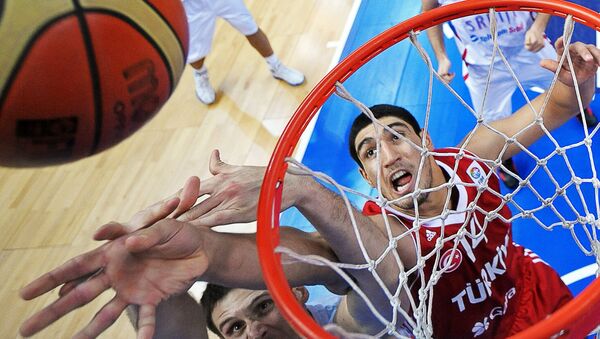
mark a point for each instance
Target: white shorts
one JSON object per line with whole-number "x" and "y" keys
{"x": 202, "y": 16}
{"x": 526, "y": 66}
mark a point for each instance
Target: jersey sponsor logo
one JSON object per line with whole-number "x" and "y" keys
{"x": 481, "y": 326}
{"x": 429, "y": 235}
{"x": 476, "y": 173}
{"x": 481, "y": 289}
{"x": 450, "y": 260}
{"x": 488, "y": 37}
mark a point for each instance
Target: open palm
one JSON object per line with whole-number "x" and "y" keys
{"x": 143, "y": 268}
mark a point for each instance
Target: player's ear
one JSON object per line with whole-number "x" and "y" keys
{"x": 365, "y": 176}
{"x": 301, "y": 294}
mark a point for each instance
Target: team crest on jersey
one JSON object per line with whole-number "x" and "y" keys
{"x": 450, "y": 260}
{"x": 476, "y": 173}
{"x": 429, "y": 234}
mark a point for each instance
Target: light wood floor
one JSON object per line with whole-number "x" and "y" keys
{"x": 48, "y": 215}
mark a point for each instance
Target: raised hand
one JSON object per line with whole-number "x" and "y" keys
{"x": 586, "y": 59}
{"x": 232, "y": 194}
{"x": 143, "y": 268}
{"x": 443, "y": 70}
{"x": 534, "y": 39}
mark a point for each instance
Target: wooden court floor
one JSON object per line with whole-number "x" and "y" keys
{"x": 48, "y": 215}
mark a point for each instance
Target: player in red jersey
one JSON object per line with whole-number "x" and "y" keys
{"x": 149, "y": 265}
{"x": 489, "y": 282}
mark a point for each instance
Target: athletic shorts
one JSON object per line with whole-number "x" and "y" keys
{"x": 202, "y": 16}
{"x": 526, "y": 66}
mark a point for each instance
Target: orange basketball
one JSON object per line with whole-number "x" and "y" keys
{"x": 79, "y": 76}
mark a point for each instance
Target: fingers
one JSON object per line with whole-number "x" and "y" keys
{"x": 74, "y": 269}
{"x": 154, "y": 213}
{"x": 157, "y": 234}
{"x": 559, "y": 45}
{"x": 201, "y": 209}
{"x": 69, "y": 286}
{"x": 216, "y": 165}
{"x": 146, "y": 322}
{"x": 111, "y": 231}
{"x": 103, "y": 319}
{"x": 447, "y": 77}
{"x": 550, "y": 65}
{"x": 141, "y": 219}
{"x": 187, "y": 196}
{"x": 78, "y": 297}
{"x": 217, "y": 218}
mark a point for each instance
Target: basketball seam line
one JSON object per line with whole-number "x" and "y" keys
{"x": 21, "y": 59}
{"x": 170, "y": 28}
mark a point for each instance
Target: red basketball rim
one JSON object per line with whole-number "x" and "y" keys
{"x": 578, "y": 315}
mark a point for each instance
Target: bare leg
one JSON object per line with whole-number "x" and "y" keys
{"x": 177, "y": 317}
{"x": 261, "y": 43}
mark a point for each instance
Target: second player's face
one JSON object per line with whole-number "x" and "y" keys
{"x": 250, "y": 314}
{"x": 396, "y": 162}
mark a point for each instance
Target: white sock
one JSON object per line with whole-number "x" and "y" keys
{"x": 273, "y": 61}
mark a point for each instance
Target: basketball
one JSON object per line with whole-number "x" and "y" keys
{"x": 80, "y": 76}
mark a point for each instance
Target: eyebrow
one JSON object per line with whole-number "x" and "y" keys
{"x": 367, "y": 140}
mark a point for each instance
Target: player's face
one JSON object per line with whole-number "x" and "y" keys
{"x": 399, "y": 161}
{"x": 250, "y": 314}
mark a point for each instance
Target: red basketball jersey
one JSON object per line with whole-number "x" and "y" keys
{"x": 480, "y": 290}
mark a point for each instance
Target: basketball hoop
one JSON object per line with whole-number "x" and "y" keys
{"x": 576, "y": 319}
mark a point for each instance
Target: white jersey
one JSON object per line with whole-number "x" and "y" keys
{"x": 474, "y": 37}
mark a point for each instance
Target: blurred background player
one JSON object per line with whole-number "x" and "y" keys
{"x": 202, "y": 16}
{"x": 522, "y": 39}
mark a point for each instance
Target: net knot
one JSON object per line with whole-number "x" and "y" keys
{"x": 587, "y": 141}
{"x": 459, "y": 155}
{"x": 539, "y": 120}
{"x": 596, "y": 182}
{"x": 382, "y": 202}
{"x": 491, "y": 216}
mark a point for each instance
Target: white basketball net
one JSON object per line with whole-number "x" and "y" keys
{"x": 420, "y": 309}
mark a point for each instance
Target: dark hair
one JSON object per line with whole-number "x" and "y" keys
{"x": 379, "y": 111}
{"x": 212, "y": 294}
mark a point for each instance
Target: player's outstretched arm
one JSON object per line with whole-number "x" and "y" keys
{"x": 436, "y": 39}
{"x": 535, "y": 36}
{"x": 152, "y": 264}
{"x": 563, "y": 104}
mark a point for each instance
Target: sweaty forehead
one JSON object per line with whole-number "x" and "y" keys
{"x": 369, "y": 130}
{"x": 235, "y": 304}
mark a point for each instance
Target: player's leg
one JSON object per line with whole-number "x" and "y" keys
{"x": 201, "y": 21}
{"x": 236, "y": 13}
